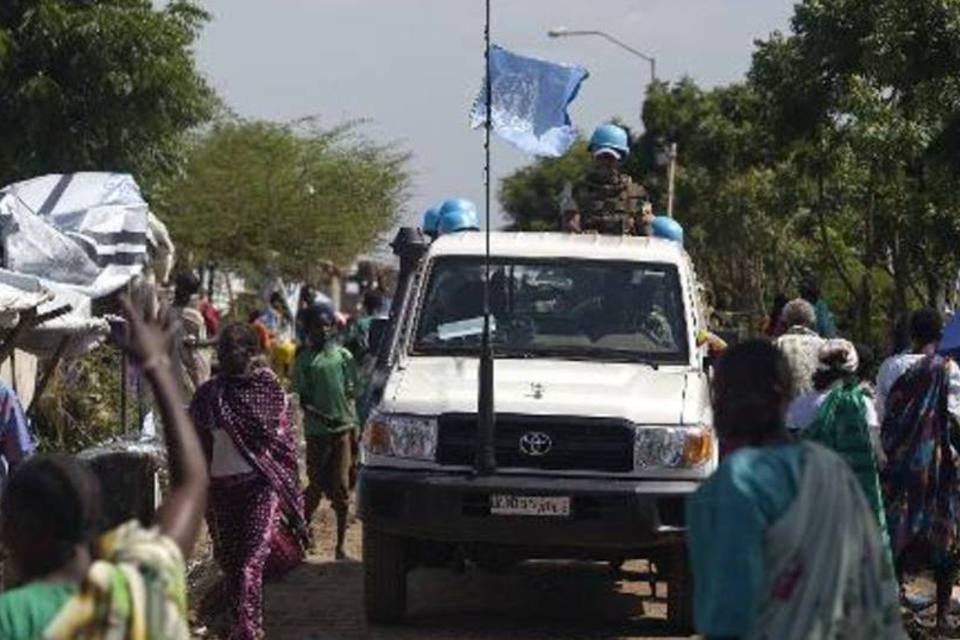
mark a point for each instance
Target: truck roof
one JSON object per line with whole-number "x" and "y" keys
{"x": 560, "y": 245}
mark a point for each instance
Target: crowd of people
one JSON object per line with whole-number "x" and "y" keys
{"x": 836, "y": 483}
{"x": 232, "y": 443}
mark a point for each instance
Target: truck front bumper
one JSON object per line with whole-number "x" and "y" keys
{"x": 606, "y": 514}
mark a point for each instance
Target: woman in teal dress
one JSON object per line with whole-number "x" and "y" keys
{"x": 783, "y": 544}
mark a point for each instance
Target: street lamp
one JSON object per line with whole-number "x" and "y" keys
{"x": 563, "y": 32}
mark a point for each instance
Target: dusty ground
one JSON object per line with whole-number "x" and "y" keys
{"x": 323, "y": 600}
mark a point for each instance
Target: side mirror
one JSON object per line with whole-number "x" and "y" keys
{"x": 378, "y": 329}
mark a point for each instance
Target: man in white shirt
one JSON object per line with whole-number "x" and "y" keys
{"x": 926, "y": 329}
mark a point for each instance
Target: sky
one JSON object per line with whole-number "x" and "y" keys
{"x": 414, "y": 67}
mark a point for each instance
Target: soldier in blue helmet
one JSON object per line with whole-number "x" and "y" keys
{"x": 457, "y": 214}
{"x": 607, "y": 200}
{"x": 431, "y": 219}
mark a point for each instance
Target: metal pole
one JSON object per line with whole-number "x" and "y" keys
{"x": 123, "y": 391}
{"x": 671, "y": 177}
{"x": 485, "y": 462}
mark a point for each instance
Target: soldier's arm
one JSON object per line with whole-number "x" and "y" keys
{"x": 569, "y": 210}
{"x": 641, "y": 207}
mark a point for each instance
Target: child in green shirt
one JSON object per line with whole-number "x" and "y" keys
{"x": 324, "y": 377}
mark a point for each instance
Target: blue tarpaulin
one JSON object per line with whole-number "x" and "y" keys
{"x": 530, "y": 99}
{"x": 950, "y": 342}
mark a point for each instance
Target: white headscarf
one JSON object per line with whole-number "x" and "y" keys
{"x": 838, "y": 354}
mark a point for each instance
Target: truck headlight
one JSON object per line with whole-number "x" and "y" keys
{"x": 672, "y": 447}
{"x": 401, "y": 436}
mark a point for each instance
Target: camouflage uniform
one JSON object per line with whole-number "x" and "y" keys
{"x": 609, "y": 204}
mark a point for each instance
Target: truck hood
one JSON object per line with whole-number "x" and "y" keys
{"x": 635, "y": 392}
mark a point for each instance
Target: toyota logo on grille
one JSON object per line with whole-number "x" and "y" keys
{"x": 535, "y": 443}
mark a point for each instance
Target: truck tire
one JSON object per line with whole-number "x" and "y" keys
{"x": 384, "y": 577}
{"x": 679, "y": 591}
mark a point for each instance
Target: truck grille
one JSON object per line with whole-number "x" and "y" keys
{"x": 576, "y": 444}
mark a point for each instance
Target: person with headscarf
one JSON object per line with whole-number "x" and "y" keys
{"x": 255, "y": 515}
{"x": 800, "y": 344}
{"x": 839, "y": 415}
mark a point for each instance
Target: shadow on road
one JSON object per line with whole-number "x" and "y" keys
{"x": 324, "y": 601}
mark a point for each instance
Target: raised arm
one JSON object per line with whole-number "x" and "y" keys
{"x": 181, "y": 513}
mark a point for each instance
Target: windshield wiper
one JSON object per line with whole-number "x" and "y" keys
{"x": 517, "y": 353}
{"x": 594, "y": 354}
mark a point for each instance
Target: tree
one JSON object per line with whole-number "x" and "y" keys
{"x": 873, "y": 87}
{"x": 836, "y": 155}
{"x": 531, "y": 196}
{"x": 98, "y": 85}
{"x": 282, "y": 198}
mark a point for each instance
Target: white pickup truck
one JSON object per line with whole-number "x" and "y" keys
{"x": 603, "y": 422}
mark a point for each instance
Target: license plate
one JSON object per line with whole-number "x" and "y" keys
{"x": 549, "y": 506}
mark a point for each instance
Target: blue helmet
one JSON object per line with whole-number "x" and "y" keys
{"x": 610, "y": 136}
{"x": 458, "y": 214}
{"x": 431, "y": 218}
{"x": 667, "y": 228}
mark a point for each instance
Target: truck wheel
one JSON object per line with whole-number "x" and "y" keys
{"x": 679, "y": 591}
{"x": 384, "y": 577}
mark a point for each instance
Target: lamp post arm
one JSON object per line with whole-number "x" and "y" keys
{"x": 623, "y": 45}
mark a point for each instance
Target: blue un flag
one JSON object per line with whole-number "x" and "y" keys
{"x": 530, "y": 99}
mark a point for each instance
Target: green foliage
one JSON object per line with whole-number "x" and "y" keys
{"x": 837, "y": 155}
{"x": 263, "y": 196}
{"x": 530, "y": 196}
{"x": 96, "y": 85}
{"x": 81, "y": 406}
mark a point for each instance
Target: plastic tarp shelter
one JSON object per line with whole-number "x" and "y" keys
{"x": 70, "y": 239}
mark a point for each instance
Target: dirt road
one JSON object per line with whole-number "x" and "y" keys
{"x": 322, "y": 600}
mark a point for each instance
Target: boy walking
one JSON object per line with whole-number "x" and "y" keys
{"x": 325, "y": 378}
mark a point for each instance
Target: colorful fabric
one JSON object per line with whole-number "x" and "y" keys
{"x": 326, "y": 380}
{"x": 254, "y": 410}
{"x": 895, "y": 366}
{"x": 250, "y": 542}
{"x": 726, "y": 522}
{"x": 827, "y": 574}
{"x": 801, "y": 347}
{"x": 256, "y": 520}
{"x": 920, "y": 481}
{"x": 16, "y": 438}
{"x": 135, "y": 591}
{"x": 782, "y": 546}
{"x": 842, "y": 425}
{"x": 211, "y": 317}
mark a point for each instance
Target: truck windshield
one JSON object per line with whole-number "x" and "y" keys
{"x": 570, "y": 309}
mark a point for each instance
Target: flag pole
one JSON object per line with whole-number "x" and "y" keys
{"x": 485, "y": 462}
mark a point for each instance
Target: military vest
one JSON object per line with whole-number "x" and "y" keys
{"x": 610, "y": 204}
